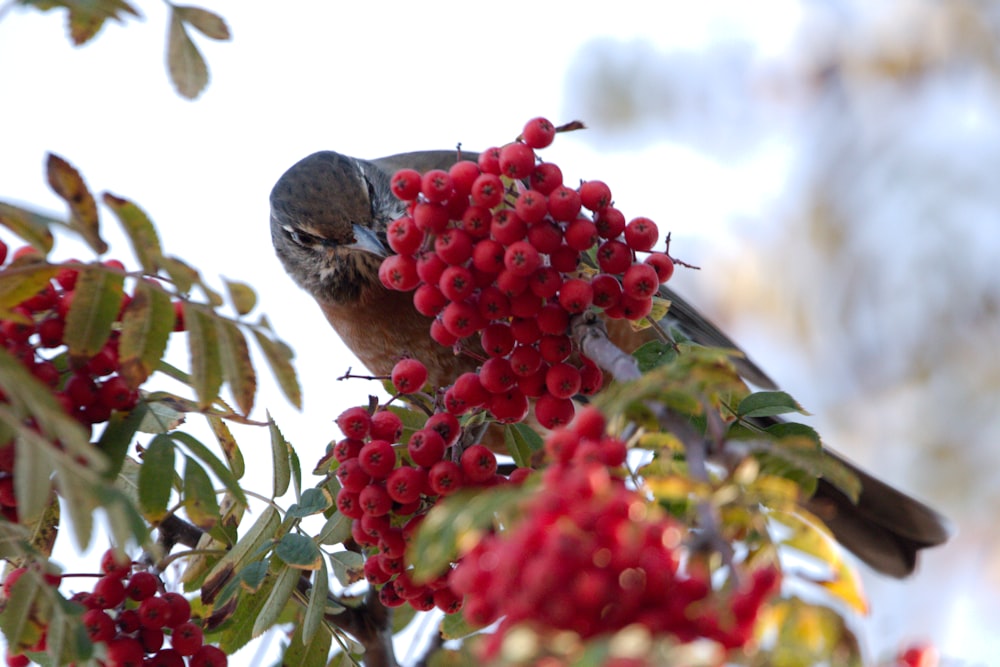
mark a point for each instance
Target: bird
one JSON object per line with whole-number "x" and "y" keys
{"x": 328, "y": 218}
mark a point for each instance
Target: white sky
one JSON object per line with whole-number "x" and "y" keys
{"x": 361, "y": 78}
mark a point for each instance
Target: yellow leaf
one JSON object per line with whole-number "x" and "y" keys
{"x": 207, "y": 23}
{"x": 141, "y": 233}
{"x": 30, "y": 226}
{"x": 68, "y": 184}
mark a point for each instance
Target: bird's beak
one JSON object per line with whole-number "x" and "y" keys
{"x": 365, "y": 239}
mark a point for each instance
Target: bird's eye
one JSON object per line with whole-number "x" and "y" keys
{"x": 297, "y": 237}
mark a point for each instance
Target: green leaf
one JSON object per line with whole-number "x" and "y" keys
{"x": 336, "y": 530}
{"x": 140, "y": 231}
{"x": 241, "y": 296}
{"x": 768, "y": 404}
{"x": 126, "y": 523}
{"x": 147, "y": 323}
{"x": 86, "y": 16}
{"x": 97, "y": 299}
{"x": 279, "y": 456}
{"x": 18, "y": 627}
{"x": 116, "y": 438}
{"x": 199, "y": 496}
{"x": 156, "y": 477}
{"x": 454, "y": 626}
{"x": 207, "y": 23}
{"x": 237, "y": 368}
{"x": 31, "y": 226}
{"x": 316, "y": 608}
{"x": 299, "y": 551}
{"x": 185, "y": 63}
{"x": 279, "y": 360}
{"x": 203, "y": 346}
{"x": 348, "y": 567}
{"x": 182, "y": 275}
{"x": 313, "y": 501}
{"x": 308, "y": 650}
{"x": 522, "y": 441}
{"x": 260, "y": 533}
{"x": 455, "y": 521}
{"x": 284, "y": 586}
{"x": 240, "y": 629}
{"x": 32, "y": 485}
{"x": 653, "y": 354}
{"x": 18, "y": 284}
{"x": 66, "y": 182}
{"x": 230, "y": 448}
{"x": 253, "y": 575}
{"x": 218, "y": 468}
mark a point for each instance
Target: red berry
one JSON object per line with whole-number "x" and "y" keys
{"x": 546, "y": 177}
{"x": 461, "y": 319}
{"x": 124, "y": 652}
{"x": 526, "y": 304}
{"x": 7, "y": 496}
{"x": 553, "y": 319}
{"x": 635, "y": 309}
{"x": 430, "y": 267}
{"x": 478, "y": 464}
{"x": 166, "y": 657}
{"x": 546, "y": 236}
{"x": 476, "y": 221}
{"x": 104, "y": 362}
{"x": 431, "y": 217}
{"x": 552, "y": 412}
{"x": 641, "y": 234}
{"x": 555, "y": 348}
{"x": 375, "y": 500}
{"x": 186, "y": 638}
{"x": 50, "y": 332}
{"x": 3, "y": 252}
{"x": 526, "y": 330}
{"x": 348, "y": 448}
{"x": 441, "y": 335}
{"x": 377, "y": 458}
{"x": 179, "y": 610}
{"x": 208, "y": 656}
{"x": 352, "y": 476}
{"x": 153, "y": 612}
{"x": 525, "y": 360}
{"x": 115, "y": 393}
{"x": 510, "y": 284}
{"x": 447, "y": 425}
{"x": 489, "y": 161}
{"x": 355, "y": 422}
{"x": 99, "y": 626}
{"x": 640, "y": 281}
{"x": 115, "y": 563}
{"x": 497, "y": 339}
{"x": 445, "y": 478}
{"x": 463, "y": 175}
{"x": 591, "y": 378}
{"x": 610, "y": 223}
{"x": 128, "y": 621}
{"x": 11, "y": 579}
{"x": 405, "y": 184}
{"x": 404, "y": 236}
{"x": 151, "y": 640}
{"x": 531, "y": 206}
{"x": 595, "y": 195}
{"x": 581, "y": 234}
{"x": 538, "y": 133}
{"x": 453, "y": 245}
{"x": 487, "y": 190}
{"x": 493, "y": 304}
{"x": 405, "y": 483}
{"x": 509, "y": 407}
{"x": 545, "y": 282}
{"x": 576, "y": 295}
{"x": 436, "y": 185}
{"x": 142, "y": 585}
{"x": 428, "y": 300}
{"x": 663, "y": 264}
{"x": 497, "y": 375}
{"x": 614, "y": 257}
{"x": 607, "y": 290}
{"x": 426, "y": 447}
{"x": 563, "y": 380}
{"x": 386, "y": 425}
{"x": 456, "y": 283}
{"x": 517, "y": 160}
{"x": 488, "y": 255}
{"x": 399, "y": 272}
{"x": 564, "y": 259}
{"x": 408, "y": 376}
{"x": 521, "y": 258}
{"x": 507, "y": 227}
{"x": 468, "y": 393}
{"x": 349, "y": 504}
{"x": 7, "y": 453}
{"x": 564, "y": 203}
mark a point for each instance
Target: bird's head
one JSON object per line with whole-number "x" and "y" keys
{"x": 329, "y": 214}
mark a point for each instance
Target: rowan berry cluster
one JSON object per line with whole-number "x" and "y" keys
{"x": 601, "y": 558}
{"x": 129, "y": 612}
{"x": 502, "y": 249}
{"x": 387, "y": 487}
{"x": 90, "y": 391}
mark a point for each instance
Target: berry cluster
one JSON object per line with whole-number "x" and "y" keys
{"x": 89, "y": 392}
{"x": 387, "y": 487}
{"x": 128, "y": 611}
{"x": 503, "y": 250}
{"x": 591, "y": 556}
